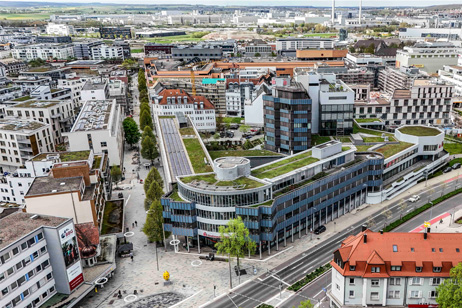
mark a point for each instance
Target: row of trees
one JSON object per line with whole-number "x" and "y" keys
{"x": 153, "y": 227}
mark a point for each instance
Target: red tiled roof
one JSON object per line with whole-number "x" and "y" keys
{"x": 191, "y": 99}
{"x": 412, "y": 250}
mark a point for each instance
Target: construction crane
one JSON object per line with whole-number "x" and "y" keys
{"x": 193, "y": 82}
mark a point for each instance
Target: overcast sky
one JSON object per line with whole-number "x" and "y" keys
{"x": 272, "y": 2}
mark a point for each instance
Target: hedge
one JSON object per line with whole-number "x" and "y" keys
{"x": 265, "y": 306}
{"x": 421, "y": 209}
{"x": 310, "y": 277}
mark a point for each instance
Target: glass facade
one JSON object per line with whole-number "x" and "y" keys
{"x": 336, "y": 120}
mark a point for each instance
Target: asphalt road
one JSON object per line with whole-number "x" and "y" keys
{"x": 259, "y": 290}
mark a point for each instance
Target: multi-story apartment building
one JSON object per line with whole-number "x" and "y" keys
{"x": 20, "y": 140}
{"x": 55, "y": 73}
{"x": 95, "y": 89}
{"x": 204, "y": 53}
{"x": 287, "y": 118}
{"x": 72, "y": 189}
{"x": 154, "y": 48}
{"x": 59, "y": 114}
{"x": 237, "y": 95}
{"x": 198, "y": 108}
{"x": 29, "y": 84}
{"x": 115, "y": 32}
{"x": 39, "y": 258}
{"x": 83, "y": 49}
{"x": 102, "y": 52}
{"x": 10, "y": 93}
{"x": 453, "y": 75}
{"x": 391, "y": 79}
{"x": 125, "y": 47}
{"x": 392, "y": 269}
{"x": 59, "y": 29}
{"x": 43, "y": 51}
{"x": 53, "y": 39}
{"x": 428, "y": 102}
{"x": 12, "y": 67}
{"x": 98, "y": 127}
{"x": 291, "y": 45}
{"x": 429, "y": 57}
{"x": 452, "y": 34}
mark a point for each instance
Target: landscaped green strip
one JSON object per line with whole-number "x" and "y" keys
{"x": 369, "y": 120}
{"x": 453, "y": 148}
{"x": 208, "y": 178}
{"x": 392, "y": 149}
{"x": 136, "y": 50}
{"x": 344, "y": 139}
{"x": 196, "y": 156}
{"x": 309, "y": 278}
{"x": 283, "y": 162}
{"x": 242, "y": 153}
{"x": 421, "y": 209}
{"x": 266, "y": 203}
{"x": 420, "y": 131}
{"x": 363, "y": 148}
{"x": 187, "y": 131}
{"x": 357, "y": 130}
{"x": 248, "y": 183}
{"x": 231, "y": 120}
{"x": 316, "y": 139}
{"x": 284, "y": 168}
{"x": 373, "y": 139}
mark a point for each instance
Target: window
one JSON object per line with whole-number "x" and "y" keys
{"x": 395, "y": 281}
{"x": 337, "y": 286}
{"x": 437, "y": 269}
{"x": 416, "y": 281}
{"x": 104, "y": 144}
{"x": 395, "y": 248}
{"x": 49, "y": 276}
{"x": 457, "y": 250}
{"x": 352, "y": 294}
{"x": 40, "y": 236}
{"x": 4, "y": 258}
{"x": 433, "y": 250}
{"x": 352, "y": 281}
{"x": 352, "y": 268}
{"x": 435, "y": 281}
{"x": 441, "y": 249}
{"x": 418, "y": 269}
{"x": 396, "y": 268}
{"x": 375, "y": 269}
{"x": 412, "y": 249}
{"x": 393, "y": 294}
{"x": 15, "y": 251}
{"x": 375, "y": 282}
{"x": 374, "y": 296}
{"x": 432, "y": 294}
{"x": 415, "y": 294}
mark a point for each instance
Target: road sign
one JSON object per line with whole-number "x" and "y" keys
{"x": 324, "y": 289}
{"x": 427, "y": 224}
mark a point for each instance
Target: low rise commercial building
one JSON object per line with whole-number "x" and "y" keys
{"x": 453, "y": 75}
{"x": 59, "y": 29}
{"x": 115, "y": 32}
{"x": 321, "y": 54}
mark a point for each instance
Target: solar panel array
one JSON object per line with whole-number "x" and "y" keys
{"x": 179, "y": 163}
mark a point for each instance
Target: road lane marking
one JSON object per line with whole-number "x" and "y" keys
{"x": 433, "y": 221}
{"x": 280, "y": 280}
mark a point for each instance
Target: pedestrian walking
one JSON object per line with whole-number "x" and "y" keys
{"x": 131, "y": 256}
{"x": 133, "y": 225}
{"x": 136, "y": 223}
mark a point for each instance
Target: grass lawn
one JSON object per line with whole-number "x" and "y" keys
{"x": 33, "y": 16}
{"x": 316, "y": 139}
{"x": 22, "y": 98}
{"x": 208, "y": 178}
{"x": 457, "y": 160}
{"x": 187, "y": 131}
{"x": 363, "y": 148}
{"x": 196, "y": 156}
{"x": 373, "y": 139}
{"x": 453, "y": 148}
{"x": 369, "y": 120}
{"x": 283, "y": 167}
{"x": 136, "y": 50}
{"x": 249, "y": 183}
{"x": 419, "y": 131}
{"x": 357, "y": 130}
{"x": 242, "y": 153}
{"x": 232, "y": 120}
{"x": 173, "y": 39}
{"x": 344, "y": 139}
{"x": 392, "y": 149}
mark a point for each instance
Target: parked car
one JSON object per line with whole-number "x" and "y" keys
{"x": 448, "y": 169}
{"x": 456, "y": 166}
{"x": 234, "y": 126}
{"x": 414, "y": 198}
{"x": 120, "y": 195}
{"x": 229, "y": 134}
{"x": 320, "y": 229}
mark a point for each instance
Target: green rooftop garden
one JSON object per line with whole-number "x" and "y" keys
{"x": 174, "y": 195}
{"x": 242, "y": 153}
{"x": 316, "y": 139}
{"x": 392, "y": 149}
{"x": 373, "y": 139}
{"x": 37, "y": 104}
{"x": 211, "y": 180}
{"x": 284, "y": 165}
{"x": 41, "y": 69}
{"x": 266, "y": 203}
{"x": 166, "y": 117}
{"x": 196, "y": 155}
{"x": 357, "y": 130}
{"x": 187, "y": 131}
{"x": 73, "y": 156}
{"x": 96, "y": 162}
{"x": 363, "y": 148}
{"x": 368, "y": 120}
{"x": 22, "y": 98}
{"x": 419, "y": 131}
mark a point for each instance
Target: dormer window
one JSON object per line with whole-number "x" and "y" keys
{"x": 395, "y": 248}
{"x": 375, "y": 269}
{"x": 339, "y": 262}
{"x": 436, "y": 269}
{"x": 352, "y": 268}
{"x": 418, "y": 269}
{"x": 396, "y": 268}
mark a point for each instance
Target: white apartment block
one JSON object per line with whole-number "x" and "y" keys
{"x": 453, "y": 75}
{"x": 10, "y": 93}
{"x": 392, "y": 269}
{"x": 98, "y": 127}
{"x": 198, "y": 108}
{"x": 60, "y": 29}
{"x": 95, "y": 89}
{"x": 429, "y": 57}
{"x": 293, "y": 44}
{"x": 20, "y": 140}
{"x": 452, "y": 34}
{"x": 43, "y": 51}
{"x": 102, "y": 52}
{"x": 29, "y": 84}
{"x": 58, "y": 114}
{"x": 39, "y": 257}
{"x": 236, "y": 96}
{"x": 428, "y": 102}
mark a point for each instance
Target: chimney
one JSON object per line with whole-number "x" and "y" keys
{"x": 365, "y": 238}
{"x": 428, "y": 230}
{"x": 363, "y": 228}
{"x": 381, "y": 231}
{"x": 425, "y": 235}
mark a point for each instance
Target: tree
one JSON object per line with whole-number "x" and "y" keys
{"x": 257, "y": 54}
{"x": 116, "y": 174}
{"x": 305, "y": 304}
{"x": 131, "y": 131}
{"x": 370, "y": 49}
{"x": 216, "y": 136}
{"x": 235, "y": 241}
{"x": 153, "y": 176}
{"x": 352, "y": 49}
{"x": 450, "y": 291}
{"x": 145, "y": 119}
{"x": 149, "y": 149}
{"x": 154, "y": 220}
{"x": 154, "y": 193}
{"x": 244, "y": 128}
{"x": 148, "y": 132}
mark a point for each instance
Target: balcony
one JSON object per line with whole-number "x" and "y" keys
{"x": 24, "y": 141}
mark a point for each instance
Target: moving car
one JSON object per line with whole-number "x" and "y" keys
{"x": 320, "y": 229}
{"x": 414, "y": 198}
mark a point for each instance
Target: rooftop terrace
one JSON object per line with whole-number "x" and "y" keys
{"x": 18, "y": 125}
{"x": 420, "y": 131}
{"x": 64, "y": 156}
{"x": 209, "y": 181}
{"x": 392, "y": 149}
{"x": 48, "y": 185}
{"x": 94, "y": 115}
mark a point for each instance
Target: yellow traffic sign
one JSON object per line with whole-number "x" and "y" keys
{"x": 427, "y": 224}
{"x": 166, "y": 276}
